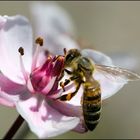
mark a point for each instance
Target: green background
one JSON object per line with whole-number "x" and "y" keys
{"x": 110, "y": 27}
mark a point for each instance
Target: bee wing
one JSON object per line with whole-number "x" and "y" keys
{"x": 117, "y": 74}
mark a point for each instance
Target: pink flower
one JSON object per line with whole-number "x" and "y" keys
{"x": 60, "y": 34}
{"x": 29, "y": 82}
{"x": 58, "y": 30}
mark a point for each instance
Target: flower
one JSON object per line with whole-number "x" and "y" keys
{"x": 29, "y": 82}
{"x": 55, "y": 18}
{"x": 60, "y": 34}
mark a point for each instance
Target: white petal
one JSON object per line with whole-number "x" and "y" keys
{"x": 108, "y": 87}
{"x": 125, "y": 60}
{"x": 14, "y": 33}
{"x": 76, "y": 100}
{"x": 51, "y": 17}
{"x": 97, "y": 57}
{"x": 58, "y": 44}
{"x": 45, "y": 121}
{"x": 68, "y": 108}
{"x": 2, "y": 21}
{"x": 55, "y": 25}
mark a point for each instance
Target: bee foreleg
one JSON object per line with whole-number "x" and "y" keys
{"x": 68, "y": 96}
{"x": 67, "y": 81}
{"x": 68, "y": 71}
{"x": 63, "y": 84}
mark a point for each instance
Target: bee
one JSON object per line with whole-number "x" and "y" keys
{"x": 82, "y": 69}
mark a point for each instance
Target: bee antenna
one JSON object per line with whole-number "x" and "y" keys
{"x": 65, "y": 51}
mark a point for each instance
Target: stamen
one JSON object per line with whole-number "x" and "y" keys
{"x": 39, "y": 42}
{"x": 21, "y": 51}
{"x": 49, "y": 57}
{"x": 65, "y": 51}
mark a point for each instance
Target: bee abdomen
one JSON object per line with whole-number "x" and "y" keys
{"x": 91, "y": 107}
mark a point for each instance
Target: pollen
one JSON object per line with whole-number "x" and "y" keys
{"x": 60, "y": 58}
{"x": 39, "y": 41}
{"x": 49, "y": 57}
{"x": 68, "y": 96}
{"x": 21, "y": 51}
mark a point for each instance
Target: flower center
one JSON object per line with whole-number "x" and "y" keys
{"x": 45, "y": 77}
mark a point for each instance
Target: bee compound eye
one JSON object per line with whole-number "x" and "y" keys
{"x": 69, "y": 57}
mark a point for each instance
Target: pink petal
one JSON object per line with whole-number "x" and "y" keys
{"x": 10, "y": 91}
{"x": 16, "y": 32}
{"x": 49, "y": 86}
{"x": 80, "y": 128}
{"x": 71, "y": 110}
{"x": 6, "y": 102}
{"x": 44, "y": 120}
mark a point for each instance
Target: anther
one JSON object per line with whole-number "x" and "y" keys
{"x": 39, "y": 41}
{"x": 21, "y": 51}
{"x": 49, "y": 57}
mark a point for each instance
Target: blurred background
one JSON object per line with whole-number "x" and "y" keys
{"x": 112, "y": 28}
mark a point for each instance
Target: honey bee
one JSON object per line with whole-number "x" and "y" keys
{"x": 82, "y": 73}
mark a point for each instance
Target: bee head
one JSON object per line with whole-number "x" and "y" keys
{"x": 71, "y": 55}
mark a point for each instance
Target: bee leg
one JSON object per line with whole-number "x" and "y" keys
{"x": 68, "y": 71}
{"x": 63, "y": 84}
{"x": 68, "y": 96}
{"x": 81, "y": 102}
{"x": 67, "y": 81}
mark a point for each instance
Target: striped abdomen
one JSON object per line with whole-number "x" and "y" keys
{"x": 91, "y": 106}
